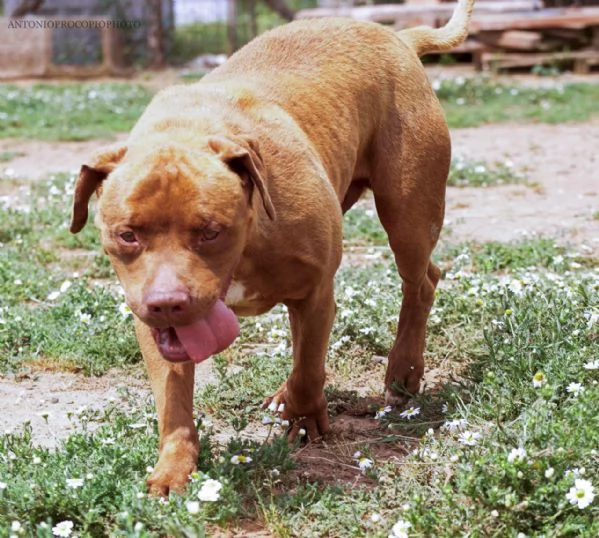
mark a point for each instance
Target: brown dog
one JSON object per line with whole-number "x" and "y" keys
{"x": 228, "y": 198}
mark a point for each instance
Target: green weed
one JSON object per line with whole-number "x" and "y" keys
{"x": 465, "y": 173}
{"x": 99, "y": 110}
{"x": 494, "y": 448}
{"x": 469, "y": 102}
{"x": 7, "y": 156}
{"x": 70, "y": 111}
{"x": 52, "y": 304}
{"x": 96, "y": 481}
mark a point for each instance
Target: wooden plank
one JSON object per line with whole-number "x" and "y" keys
{"x": 389, "y": 13}
{"x": 566, "y": 34}
{"x": 421, "y": 2}
{"x": 512, "y": 39}
{"x": 498, "y": 60}
{"x": 574, "y": 18}
{"x": 470, "y": 46}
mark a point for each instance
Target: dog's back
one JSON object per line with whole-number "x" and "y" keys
{"x": 341, "y": 79}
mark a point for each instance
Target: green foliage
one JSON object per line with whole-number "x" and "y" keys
{"x": 473, "y": 101}
{"x": 7, "y": 156}
{"x": 52, "y": 305}
{"x": 465, "y": 173}
{"x": 96, "y": 480}
{"x": 85, "y": 111}
{"x": 362, "y": 227}
{"x": 506, "y": 316}
{"x": 192, "y": 40}
{"x": 70, "y": 111}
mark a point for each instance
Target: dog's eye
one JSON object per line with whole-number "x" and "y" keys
{"x": 128, "y": 237}
{"x": 209, "y": 235}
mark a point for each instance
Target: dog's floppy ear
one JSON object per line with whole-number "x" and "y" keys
{"x": 242, "y": 156}
{"x": 89, "y": 181}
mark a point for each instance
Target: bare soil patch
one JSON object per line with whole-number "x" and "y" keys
{"x": 561, "y": 162}
{"x": 332, "y": 461}
{"x": 51, "y": 401}
{"x": 36, "y": 159}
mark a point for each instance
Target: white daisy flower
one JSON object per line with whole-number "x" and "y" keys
{"x": 63, "y": 529}
{"x": 469, "y": 438}
{"x": 65, "y": 286}
{"x": 400, "y": 529}
{"x": 75, "y": 482}
{"x": 581, "y": 494}
{"x": 193, "y": 507}
{"x": 575, "y": 388}
{"x": 410, "y": 413}
{"x": 365, "y": 463}
{"x": 382, "y": 411}
{"x": 240, "y": 458}
{"x": 53, "y": 295}
{"x": 516, "y": 455}
{"x": 125, "y": 310}
{"x": 538, "y": 380}
{"x": 455, "y": 425}
{"x": 210, "y": 491}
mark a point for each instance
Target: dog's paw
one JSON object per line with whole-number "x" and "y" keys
{"x": 396, "y": 400}
{"x": 177, "y": 461}
{"x": 274, "y": 401}
{"x": 402, "y": 379}
{"x": 308, "y": 418}
{"x": 310, "y": 429}
{"x": 167, "y": 479}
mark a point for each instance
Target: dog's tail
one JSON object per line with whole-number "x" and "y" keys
{"x": 425, "y": 40}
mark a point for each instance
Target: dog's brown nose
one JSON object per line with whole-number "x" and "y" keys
{"x": 168, "y": 306}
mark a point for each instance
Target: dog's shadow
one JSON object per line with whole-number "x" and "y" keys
{"x": 363, "y": 427}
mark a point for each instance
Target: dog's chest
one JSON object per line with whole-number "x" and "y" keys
{"x": 246, "y": 301}
{"x": 239, "y": 296}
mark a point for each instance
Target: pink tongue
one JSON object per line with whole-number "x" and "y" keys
{"x": 210, "y": 335}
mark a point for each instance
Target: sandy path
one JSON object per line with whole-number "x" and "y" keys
{"x": 562, "y": 160}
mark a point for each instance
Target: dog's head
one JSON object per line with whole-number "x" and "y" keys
{"x": 174, "y": 223}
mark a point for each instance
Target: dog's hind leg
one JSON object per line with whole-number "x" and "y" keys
{"x": 409, "y": 193}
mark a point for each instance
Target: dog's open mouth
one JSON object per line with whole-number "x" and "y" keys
{"x": 169, "y": 345}
{"x": 200, "y": 340}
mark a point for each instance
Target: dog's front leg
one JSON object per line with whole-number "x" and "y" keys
{"x": 303, "y": 393}
{"x": 172, "y": 385}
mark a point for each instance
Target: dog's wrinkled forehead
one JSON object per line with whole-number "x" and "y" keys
{"x": 172, "y": 187}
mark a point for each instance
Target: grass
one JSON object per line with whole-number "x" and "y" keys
{"x": 70, "y": 111}
{"x": 507, "y": 316}
{"x": 47, "y": 275}
{"x": 491, "y": 448}
{"x": 98, "y": 110}
{"x": 466, "y": 173}
{"x": 7, "y": 156}
{"x": 470, "y": 102}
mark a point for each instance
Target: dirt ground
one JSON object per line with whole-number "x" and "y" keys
{"x": 561, "y": 162}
